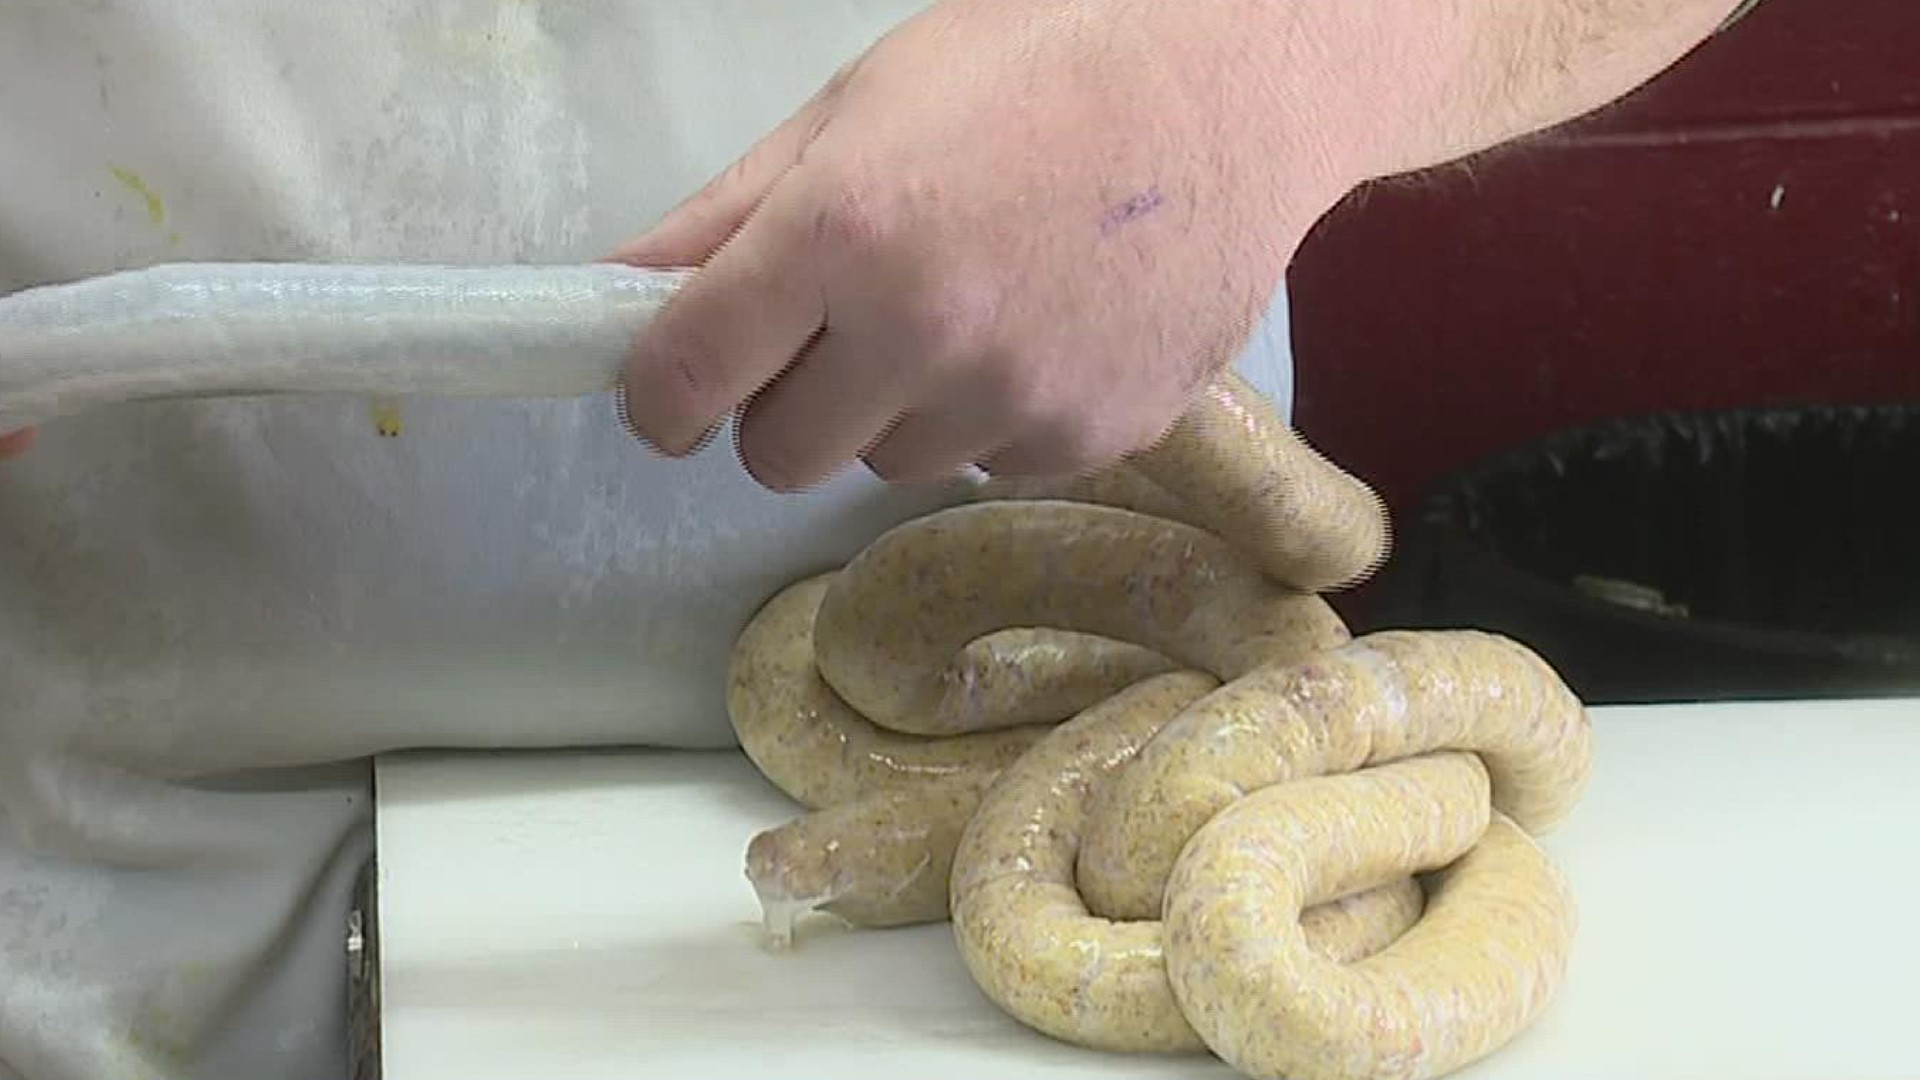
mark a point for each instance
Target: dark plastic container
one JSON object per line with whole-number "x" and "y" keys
{"x": 1756, "y": 554}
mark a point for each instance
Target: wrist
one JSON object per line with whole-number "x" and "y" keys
{"x": 1401, "y": 85}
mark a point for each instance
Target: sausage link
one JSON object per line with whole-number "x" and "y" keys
{"x": 1232, "y": 466}
{"x": 1359, "y": 924}
{"x": 875, "y": 862}
{"x": 1029, "y": 941}
{"x": 1246, "y": 475}
{"x": 1469, "y": 689}
{"x": 812, "y": 746}
{"x": 891, "y": 625}
{"x": 888, "y": 807}
{"x": 1025, "y": 676}
{"x": 1478, "y": 967}
{"x": 1380, "y": 698}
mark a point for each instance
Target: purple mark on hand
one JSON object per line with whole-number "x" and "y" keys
{"x": 1133, "y": 209}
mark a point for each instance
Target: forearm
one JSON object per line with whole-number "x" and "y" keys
{"x": 1422, "y": 82}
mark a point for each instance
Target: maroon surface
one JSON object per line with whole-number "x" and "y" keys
{"x": 1745, "y": 230}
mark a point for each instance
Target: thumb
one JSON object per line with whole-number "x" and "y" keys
{"x": 692, "y": 231}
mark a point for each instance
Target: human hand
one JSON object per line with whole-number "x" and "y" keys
{"x": 1016, "y": 234}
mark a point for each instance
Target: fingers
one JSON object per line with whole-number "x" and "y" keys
{"x": 897, "y": 377}
{"x": 833, "y": 404}
{"x": 870, "y": 389}
{"x": 15, "y": 443}
{"x": 952, "y": 428}
{"x": 731, "y": 329}
{"x": 1051, "y": 453}
{"x": 1079, "y": 442}
{"x": 931, "y": 446}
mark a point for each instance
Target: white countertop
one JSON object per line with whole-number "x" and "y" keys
{"x": 1749, "y": 881}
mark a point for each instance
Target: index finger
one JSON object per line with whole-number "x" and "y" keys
{"x": 731, "y": 329}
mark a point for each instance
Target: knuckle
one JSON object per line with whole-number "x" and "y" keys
{"x": 738, "y": 174}
{"x": 673, "y": 389}
{"x": 956, "y": 319}
{"x": 855, "y": 216}
{"x": 841, "y": 78}
{"x": 673, "y": 375}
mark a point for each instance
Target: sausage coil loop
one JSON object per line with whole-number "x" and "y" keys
{"x": 1110, "y": 729}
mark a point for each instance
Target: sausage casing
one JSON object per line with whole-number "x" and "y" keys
{"x": 1028, "y": 939}
{"x": 1481, "y": 963}
{"x": 1382, "y": 697}
{"x": 1244, "y": 474}
{"x": 892, "y": 622}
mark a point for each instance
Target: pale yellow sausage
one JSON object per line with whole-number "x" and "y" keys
{"x": 1478, "y": 967}
{"x": 811, "y": 745}
{"x": 893, "y": 621}
{"x": 1245, "y": 475}
{"x": 1028, "y": 940}
{"x": 1379, "y": 698}
{"x": 1275, "y": 799}
{"x": 888, "y": 807}
{"x": 1023, "y": 676}
{"x": 1232, "y": 466}
{"x": 876, "y": 862}
{"x": 1357, "y": 925}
